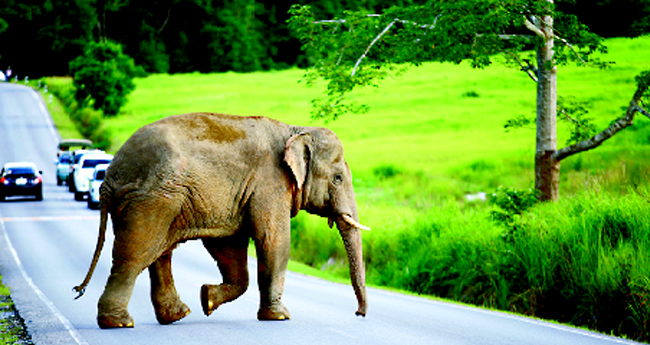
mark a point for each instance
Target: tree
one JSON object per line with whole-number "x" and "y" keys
{"x": 50, "y": 32}
{"x": 361, "y": 49}
{"x": 103, "y": 77}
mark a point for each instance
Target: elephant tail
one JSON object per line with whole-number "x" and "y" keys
{"x": 103, "y": 219}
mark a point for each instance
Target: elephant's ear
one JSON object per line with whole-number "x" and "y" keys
{"x": 296, "y": 154}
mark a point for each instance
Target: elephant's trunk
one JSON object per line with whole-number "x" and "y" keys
{"x": 351, "y": 236}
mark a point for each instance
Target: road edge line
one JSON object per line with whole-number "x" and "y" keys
{"x": 57, "y": 313}
{"x": 48, "y": 117}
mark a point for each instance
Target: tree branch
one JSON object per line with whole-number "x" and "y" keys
{"x": 610, "y": 131}
{"x": 575, "y": 52}
{"x": 356, "y": 65}
{"x": 529, "y": 69}
{"x": 354, "y": 70}
{"x": 341, "y": 21}
{"x": 169, "y": 13}
{"x": 534, "y": 28}
{"x": 642, "y": 111}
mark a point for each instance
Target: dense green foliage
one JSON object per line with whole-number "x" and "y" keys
{"x": 357, "y": 49}
{"x": 581, "y": 260}
{"x": 200, "y": 35}
{"x": 103, "y": 77}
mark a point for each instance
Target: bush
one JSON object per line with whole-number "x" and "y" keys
{"x": 103, "y": 77}
{"x": 510, "y": 204}
{"x": 386, "y": 171}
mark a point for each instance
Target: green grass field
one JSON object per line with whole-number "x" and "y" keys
{"x": 436, "y": 134}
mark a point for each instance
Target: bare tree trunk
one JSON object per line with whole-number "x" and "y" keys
{"x": 547, "y": 168}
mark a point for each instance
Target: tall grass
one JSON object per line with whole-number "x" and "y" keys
{"x": 583, "y": 260}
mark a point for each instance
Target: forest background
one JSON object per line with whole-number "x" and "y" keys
{"x": 582, "y": 260}
{"x": 40, "y": 37}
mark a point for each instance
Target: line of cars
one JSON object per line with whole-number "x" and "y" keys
{"x": 82, "y": 170}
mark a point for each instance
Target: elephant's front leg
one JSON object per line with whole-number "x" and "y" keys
{"x": 273, "y": 243}
{"x": 167, "y": 304}
{"x": 231, "y": 255}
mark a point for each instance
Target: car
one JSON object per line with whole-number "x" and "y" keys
{"x": 21, "y": 178}
{"x": 83, "y": 171}
{"x": 64, "y": 156}
{"x": 66, "y": 145}
{"x": 76, "y": 157}
{"x": 63, "y": 166}
{"x": 95, "y": 183}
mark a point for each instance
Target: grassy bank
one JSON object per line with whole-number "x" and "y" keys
{"x": 435, "y": 135}
{"x": 12, "y": 326}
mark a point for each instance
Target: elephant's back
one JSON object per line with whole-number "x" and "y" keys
{"x": 146, "y": 153}
{"x": 197, "y": 144}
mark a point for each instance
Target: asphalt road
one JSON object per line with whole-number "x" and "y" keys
{"x": 46, "y": 247}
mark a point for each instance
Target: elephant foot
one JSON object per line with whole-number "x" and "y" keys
{"x": 166, "y": 316}
{"x": 212, "y": 296}
{"x": 115, "y": 321}
{"x": 276, "y": 313}
{"x": 207, "y": 298}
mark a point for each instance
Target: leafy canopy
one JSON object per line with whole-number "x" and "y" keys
{"x": 361, "y": 49}
{"x": 103, "y": 77}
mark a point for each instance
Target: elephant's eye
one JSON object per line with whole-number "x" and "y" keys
{"x": 338, "y": 178}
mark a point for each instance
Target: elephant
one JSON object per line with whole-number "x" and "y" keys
{"x": 225, "y": 180}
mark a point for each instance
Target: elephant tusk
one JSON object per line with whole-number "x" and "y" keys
{"x": 348, "y": 219}
{"x": 330, "y": 222}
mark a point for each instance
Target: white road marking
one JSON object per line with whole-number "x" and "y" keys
{"x": 66, "y": 323}
{"x": 46, "y": 113}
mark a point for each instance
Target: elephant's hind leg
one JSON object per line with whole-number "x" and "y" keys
{"x": 166, "y": 302}
{"x": 231, "y": 255}
{"x": 112, "y": 305}
{"x": 140, "y": 239}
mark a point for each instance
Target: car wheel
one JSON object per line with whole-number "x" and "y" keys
{"x": 79, "y": 196}
{"x": 92, "y": 205}
{"x": 2, "y": 197}
{"x": 39, "y": 195}
{"x": 59, "y": 181}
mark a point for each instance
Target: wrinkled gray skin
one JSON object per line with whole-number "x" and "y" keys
{"x": 222, "y": 179}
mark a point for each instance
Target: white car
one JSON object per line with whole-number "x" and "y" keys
{"x": 83, "y": 171}
{"x": 74, "y": 163}
{"x": 95, "y": 183}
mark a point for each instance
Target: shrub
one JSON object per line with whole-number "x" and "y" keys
{"x": 386, "y": 171}
{"x": 103, "y": 77}
{"x": 510, "y": 205}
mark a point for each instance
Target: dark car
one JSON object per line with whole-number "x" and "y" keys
{"x": 21, "y": 178}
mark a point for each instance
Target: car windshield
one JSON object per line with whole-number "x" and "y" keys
{"x": 91, "y": 163}
{"x": 65, "y": 159}
{"x": 77, "y": 157}
{"x": 99, "y": 176}
{"x": 19, "y": 171}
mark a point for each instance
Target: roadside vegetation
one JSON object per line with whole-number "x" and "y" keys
{"x": 436, "y": 136}
{"x": 12, "y": 326}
